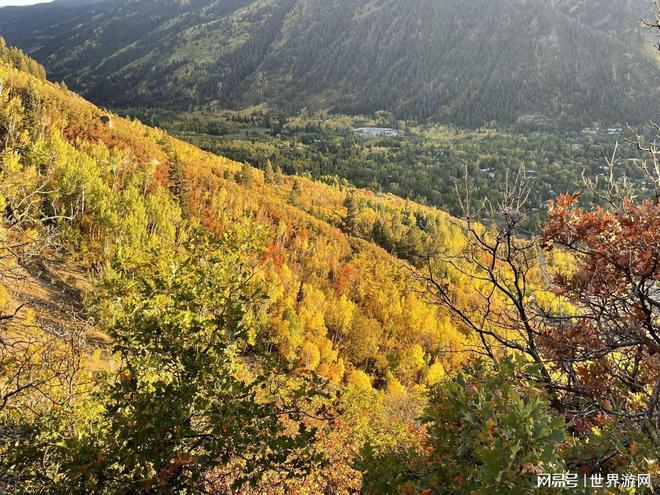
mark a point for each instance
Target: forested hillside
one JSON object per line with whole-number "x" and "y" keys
{"x": 468, "y": 63}
{"x": 141, "y": 275}
{"x": 422, "y": 162}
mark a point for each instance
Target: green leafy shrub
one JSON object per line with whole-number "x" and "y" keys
{"x": 190, "y": 409}
{"x": 488, "y": 431}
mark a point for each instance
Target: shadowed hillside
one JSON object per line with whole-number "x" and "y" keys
{"x": 468, "y": 63}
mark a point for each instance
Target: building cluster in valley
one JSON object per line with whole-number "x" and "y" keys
{"x": 376, "y": 131}
{"x": 597, "y": 130}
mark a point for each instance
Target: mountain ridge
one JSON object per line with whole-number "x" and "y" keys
{"x": 467, "y": 64}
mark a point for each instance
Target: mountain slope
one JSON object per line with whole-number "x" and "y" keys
{"x": 463, "y": 62}
{"x": 87, "y": 196}
{"x": 117, "y": 188}
{"x": 96, "y": 162}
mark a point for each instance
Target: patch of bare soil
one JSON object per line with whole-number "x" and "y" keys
{"x": 53, "y": 289}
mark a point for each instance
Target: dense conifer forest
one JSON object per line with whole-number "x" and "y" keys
{"x": 466, "y": 63}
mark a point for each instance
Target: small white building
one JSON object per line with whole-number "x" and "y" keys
{"x": 376, "y": 131}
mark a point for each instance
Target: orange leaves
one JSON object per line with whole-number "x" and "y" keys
{"x": 528, "y": 467}
{"x": 613, "y": 288}
{"x": 275, "y": 253}
{"x": 628, "y": 239}
{"x": 344, "y": 278}
{"x": 410, "y": 490}
{"x": 613, "y": 249}
{"x": 559, "y": 210}
{"x": 175, "y": 465}
{"x": 563, "y": 202}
